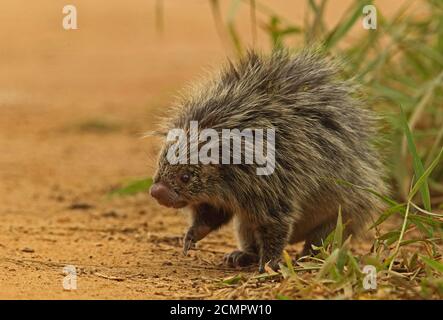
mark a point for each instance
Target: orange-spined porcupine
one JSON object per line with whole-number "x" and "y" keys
{"x": 322, "y": 135}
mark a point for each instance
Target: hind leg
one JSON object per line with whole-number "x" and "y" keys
{"x": 272, "y": 239}
{"x": 248, "y": 253}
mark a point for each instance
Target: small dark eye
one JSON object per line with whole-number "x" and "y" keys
{"x": 185, "y": 178}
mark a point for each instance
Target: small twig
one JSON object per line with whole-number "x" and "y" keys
{"x": 402, "y": 232}
{"x": 426, "y": 212}
{"x": 101, "y": 275}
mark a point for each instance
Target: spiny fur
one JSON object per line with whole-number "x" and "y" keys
{"x": 323, "y": 134}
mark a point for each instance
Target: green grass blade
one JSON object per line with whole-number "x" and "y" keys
{"x": 288, "y": 262}
{"x": 422, "y": 180}
{"x": 417, "y": 164}
{"x": 389, "y": 212}
{"x": 133, "y": 187}
{"x": 345, "y": 24}
{"x": 233, "y": 280}
{"x": 386, "y": 199}
{"x": 338, "y": 234}
{"x": 438, "y": 266}
{"x": 329, "y": 263}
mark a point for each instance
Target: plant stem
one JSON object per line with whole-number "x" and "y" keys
{"x": 400, "y": 238}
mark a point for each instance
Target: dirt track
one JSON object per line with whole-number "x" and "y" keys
{"x": 73, "y": 105}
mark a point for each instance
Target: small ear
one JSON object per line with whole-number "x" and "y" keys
{"x": 154, "y": 133}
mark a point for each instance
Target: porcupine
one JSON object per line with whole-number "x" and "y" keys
{"x": 323, "y": 135}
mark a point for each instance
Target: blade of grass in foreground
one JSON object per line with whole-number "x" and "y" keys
{"x": 418, "y": 166}
{"x": 386, "y": 199}
{"x": 438, "y": 266}
{"x": 338, "y": 233}
{"x": 423, "y": 178}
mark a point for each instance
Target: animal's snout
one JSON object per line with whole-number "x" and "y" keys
{"x": 161, "y": 193}
{"x": 166, "y": 196}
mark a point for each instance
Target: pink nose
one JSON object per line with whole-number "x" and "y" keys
{"x": 160, "y": 192}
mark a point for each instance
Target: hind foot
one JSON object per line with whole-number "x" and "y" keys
{"x": 239, "y": 258}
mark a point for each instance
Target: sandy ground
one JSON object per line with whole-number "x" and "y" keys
{"x": 73, "y": 105}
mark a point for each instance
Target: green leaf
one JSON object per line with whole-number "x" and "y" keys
{"x": 392, "y": 235}
{"x": 328, "y": 264}
{"x": 389, "y": 212}
{"x": 353, "y": 264}
{"x": 288, "y": 262}
{"x": 407, "y": 242}
{"x": 422, "y": 181}
{"x": 342, "y": 259}
{"x": 345, "y": 24}
{"x": 282, "y": 297}
{"x": 386, "y": 199}
{"x": 338, "y": 234}
{"x": 421, "y": 226}
{"x": 418, "y": 166}
{"x": 394, "y": 94}
{"x": 133, "y": 187}
{"x": 233, "y": 280}
{"x": 437, "y": 266}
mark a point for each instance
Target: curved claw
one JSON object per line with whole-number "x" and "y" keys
{"x": 194, "y": 234}
{"x": 188, "y": 243}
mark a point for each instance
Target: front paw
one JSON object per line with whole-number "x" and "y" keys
{"x": 194, "y": 234}
{"x": 239, "y": 258}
